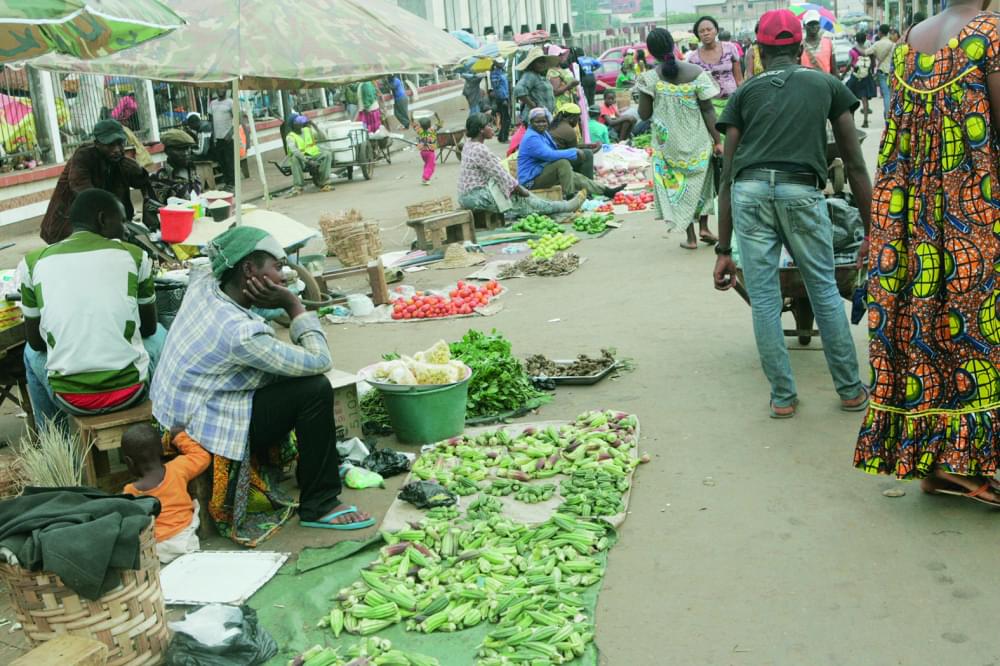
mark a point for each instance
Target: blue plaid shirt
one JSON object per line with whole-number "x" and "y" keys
{"x": 217, "y": 354}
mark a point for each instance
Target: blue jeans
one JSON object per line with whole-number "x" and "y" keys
{"x": 43, "y": 400}
{"x": 766, "y": 216}
{"x": 883, "y": 88}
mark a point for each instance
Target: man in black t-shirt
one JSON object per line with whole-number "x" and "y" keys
{"x": 772, "y": 194}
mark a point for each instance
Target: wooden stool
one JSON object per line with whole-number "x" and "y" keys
{"x": 104, "y": 432}
{"x": 200, "y": 488}
{"x": 66, "y": 650}
{"x": 435, "y": 231}
{"x": 487, "y": 219}
{"x": 553, "y": 193}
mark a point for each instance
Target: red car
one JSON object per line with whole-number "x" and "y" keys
{"x": 611, "y": 64}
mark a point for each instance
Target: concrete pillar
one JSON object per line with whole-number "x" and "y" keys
{"x": 89, "y": 100}
{"x": 147, "y": 109}
{"x": 44, "y": 111}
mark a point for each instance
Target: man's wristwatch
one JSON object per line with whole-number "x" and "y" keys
{"x": 724, "y": 250}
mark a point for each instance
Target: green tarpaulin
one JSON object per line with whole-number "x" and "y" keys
{"x": 291, "y": 604}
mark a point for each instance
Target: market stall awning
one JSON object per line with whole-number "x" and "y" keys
{"x": 79, "y": 28}
{"x": 268, "y": 44}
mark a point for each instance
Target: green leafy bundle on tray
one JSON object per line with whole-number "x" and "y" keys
{"x": 499, "y": 383}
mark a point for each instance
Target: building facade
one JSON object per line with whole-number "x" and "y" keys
{"x": 483, "y": 17}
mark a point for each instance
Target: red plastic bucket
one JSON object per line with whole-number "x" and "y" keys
{"x": 176, "y": 223}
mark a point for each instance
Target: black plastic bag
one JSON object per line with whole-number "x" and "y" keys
{"x": 386, "y": 462}
{"x": 427, "y": 495}
{"x": 252, "y": 645}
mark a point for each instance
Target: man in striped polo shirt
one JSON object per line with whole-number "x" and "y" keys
{"x": 90, "y": 314}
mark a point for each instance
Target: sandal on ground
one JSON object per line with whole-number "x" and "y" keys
{"x": 935, "y": 486}
{"x": 326, "y": 522}
{"x": 326, "y": 188}
{"x": 689, "y": 246}
{"x": 708, "y": 238}
{"x": 786, "y": 412}
{"x": 294, "y": 192}
{"x": 850, "y": 406}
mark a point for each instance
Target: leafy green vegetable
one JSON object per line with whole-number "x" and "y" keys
{"x": 374, "y": 416}
{"x": 499, "y": 383}
{"x": 641, "y": 141}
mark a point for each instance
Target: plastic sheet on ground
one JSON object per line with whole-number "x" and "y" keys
{"x": 383, "y": 313}
{"x": 291, "y": 604}
{"x": 401, "y": 513}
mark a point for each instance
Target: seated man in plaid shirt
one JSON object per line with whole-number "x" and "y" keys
{"x": 234, "y": 388}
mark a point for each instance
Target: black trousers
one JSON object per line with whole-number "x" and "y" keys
{"x": 503, "y": 109}
{"x": 589, "y": 84}
{"x": 303, "y": 405}
{"x": 224, "y": 156}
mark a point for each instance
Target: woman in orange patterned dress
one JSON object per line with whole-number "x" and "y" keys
{"x": 935, "y": 254}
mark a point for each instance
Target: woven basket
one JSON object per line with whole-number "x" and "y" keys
{"x": 432, "y": 207}
{"x": 363, "y": 243}
{"x": 335, "y": 226}
{"x": 129, "y": 619}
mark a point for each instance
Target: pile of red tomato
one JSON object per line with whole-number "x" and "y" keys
{"x": 605, "y": 208}
{"x": 633, "y": 201}
{"x": 462, "y": 300}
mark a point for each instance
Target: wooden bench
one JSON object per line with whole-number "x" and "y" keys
{"x": 66, "y": 650}
{"x": 487, "y": 219}
{"x": 437, "y": 230}
{"x": 104, "y": 433}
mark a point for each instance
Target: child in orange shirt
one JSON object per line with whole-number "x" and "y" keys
{"x": 177, "y": 525}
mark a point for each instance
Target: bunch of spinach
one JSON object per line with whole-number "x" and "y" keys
{"x": 499, "y": 383}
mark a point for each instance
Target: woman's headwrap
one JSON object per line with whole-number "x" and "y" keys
{"x": 231, "y": 247}
{"x": 539, "y": 111}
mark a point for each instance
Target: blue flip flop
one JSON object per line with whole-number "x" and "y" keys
{"x": 338, "y": 526}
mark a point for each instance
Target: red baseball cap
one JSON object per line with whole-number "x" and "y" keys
{"x": 779, "y": 27}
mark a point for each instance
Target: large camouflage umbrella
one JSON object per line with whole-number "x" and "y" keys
{"x": 79, "y": 28}
{"x": 269, "y": 44}
{"x": 257, "y": 44}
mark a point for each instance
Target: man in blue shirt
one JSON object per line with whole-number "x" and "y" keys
{"x": 588, "y": 77}
{"x": 540, "y": 164}
{"x": 500, "y": 92}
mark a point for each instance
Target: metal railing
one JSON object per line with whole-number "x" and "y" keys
{"x": 19, "y": 144}
{"x": 84, "y": 99}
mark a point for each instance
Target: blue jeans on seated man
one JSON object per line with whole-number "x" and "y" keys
{"x": 43, "y": 399}
{"x": 766, "y": 216}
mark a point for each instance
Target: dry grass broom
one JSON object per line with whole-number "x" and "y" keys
{"x": 54, "y": 459}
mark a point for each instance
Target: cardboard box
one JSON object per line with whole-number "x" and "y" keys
{"x": 346, "y": 405}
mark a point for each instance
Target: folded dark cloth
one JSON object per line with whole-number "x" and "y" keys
{"x": 82, "y": 534}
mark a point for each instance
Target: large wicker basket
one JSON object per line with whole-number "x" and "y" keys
{"x": 360, "y": 244}
{"x": 129, "y": 619}
{"x": 430, "y": 207}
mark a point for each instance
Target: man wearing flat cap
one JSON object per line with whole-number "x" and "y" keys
{"x": 101, "y": 164}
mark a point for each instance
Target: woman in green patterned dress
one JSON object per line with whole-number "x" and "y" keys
{"x": 678, "y": 97}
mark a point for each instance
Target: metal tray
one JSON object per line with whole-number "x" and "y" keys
{"x": 577, "y": 380}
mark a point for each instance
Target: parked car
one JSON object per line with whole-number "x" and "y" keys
{"x": 611, "y": 64}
